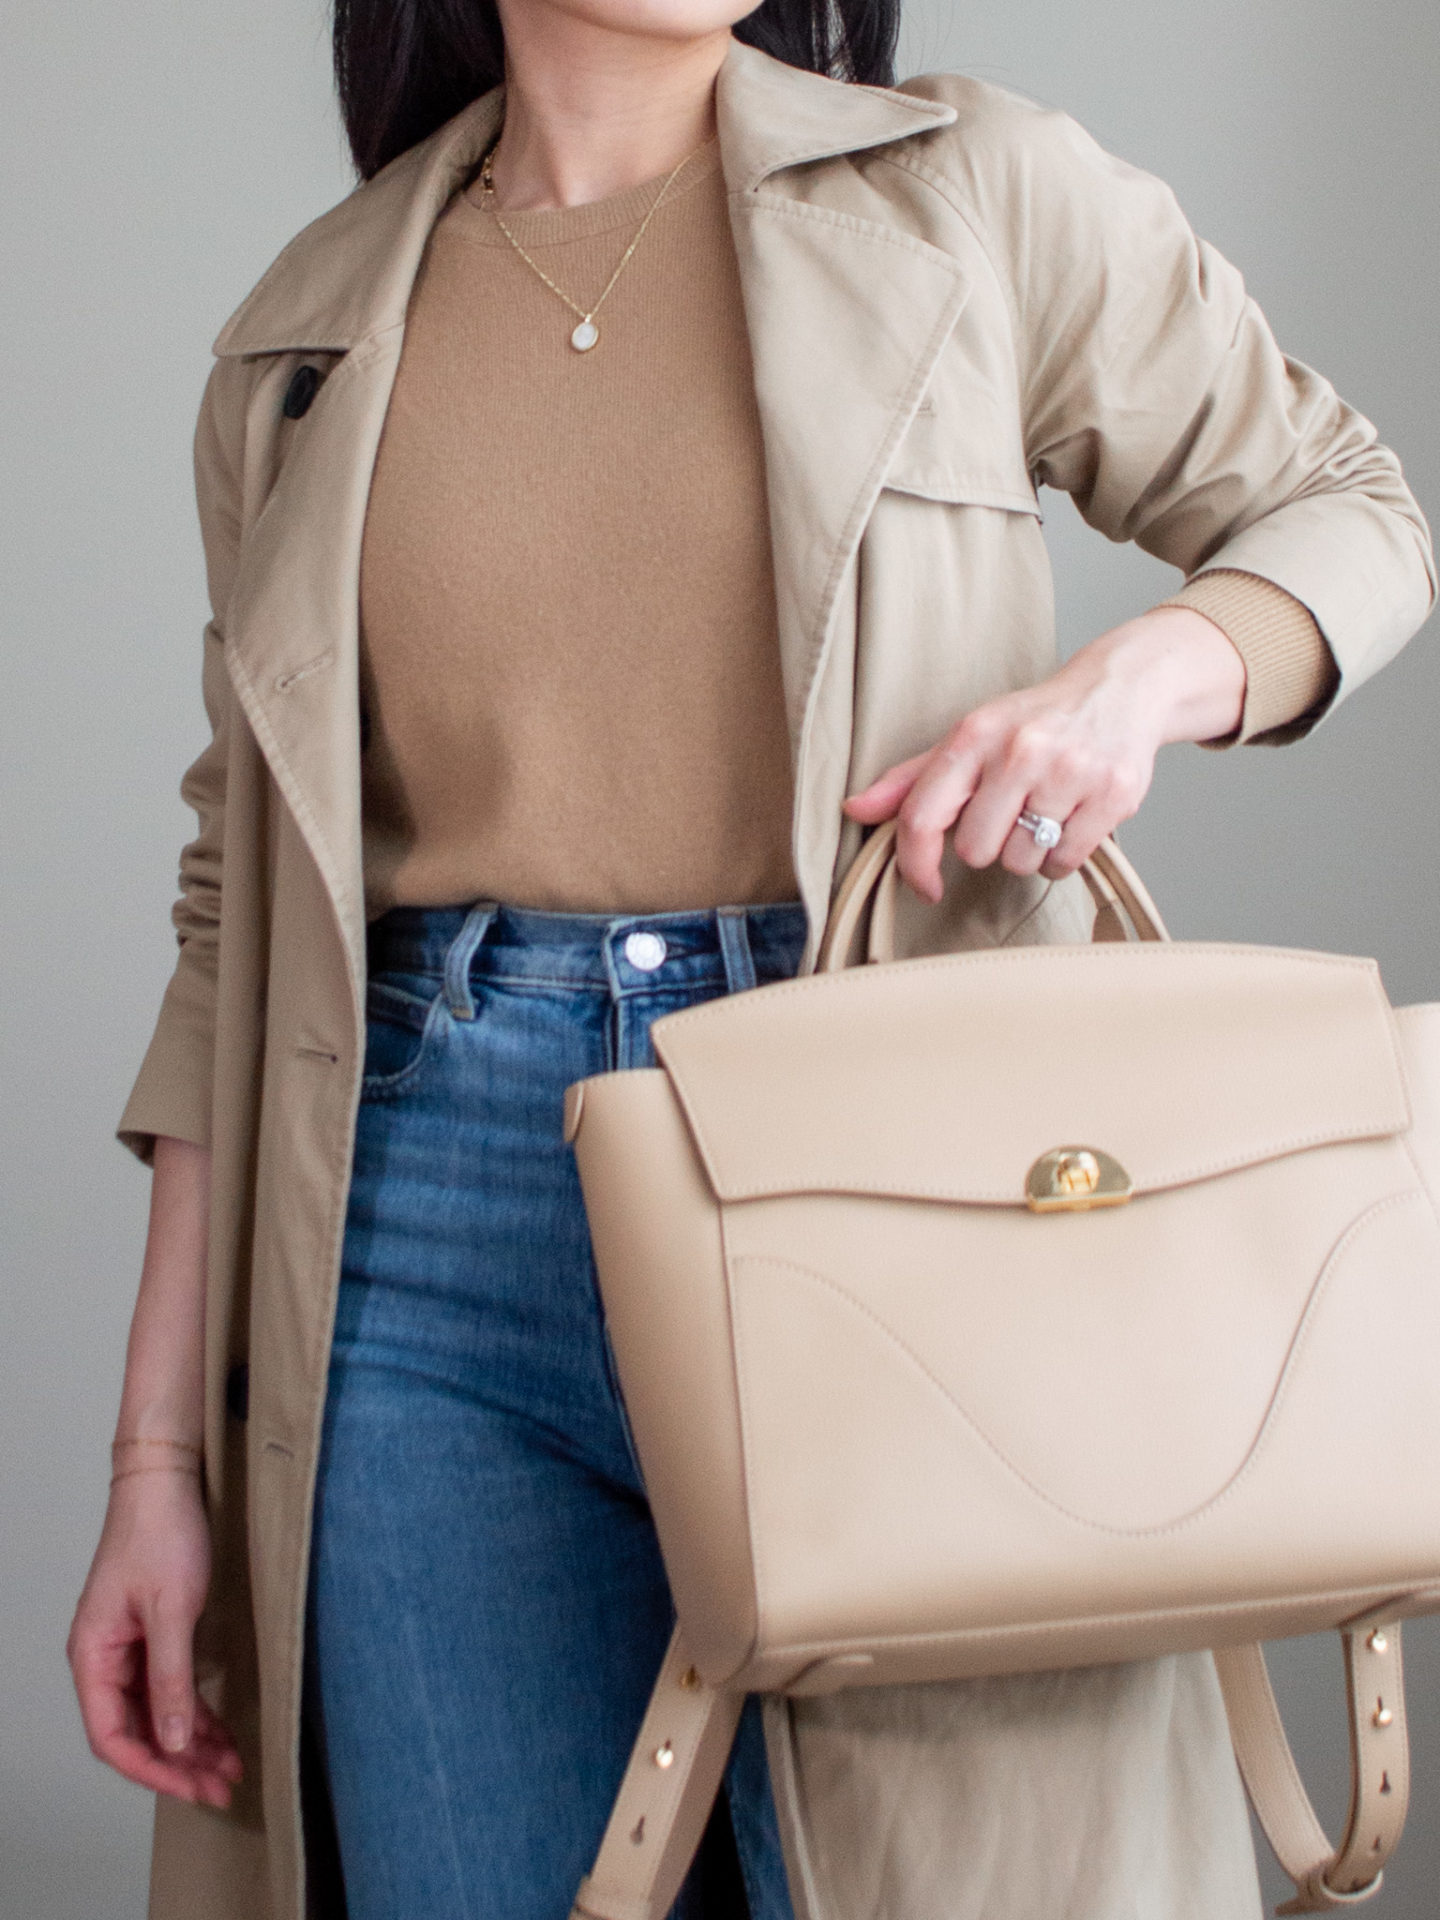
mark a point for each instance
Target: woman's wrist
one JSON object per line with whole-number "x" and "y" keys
{"x": 151, "y": 1454}
{"x": 172, "y": 1473}
{"x": 1186, "y": 674}
{"x": 160, "y": 1425}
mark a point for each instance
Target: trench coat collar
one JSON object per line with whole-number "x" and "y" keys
{"x": 349, "y": 274}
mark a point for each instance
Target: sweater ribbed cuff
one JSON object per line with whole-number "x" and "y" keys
{"x": 1289, "y": 669}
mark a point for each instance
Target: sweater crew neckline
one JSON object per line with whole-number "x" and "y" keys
{"x": 557, "y": 226}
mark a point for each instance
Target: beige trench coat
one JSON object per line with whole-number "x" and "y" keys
{"x": 952, "y": 295}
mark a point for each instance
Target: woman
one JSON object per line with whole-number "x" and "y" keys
{"x": 643, "y": 461}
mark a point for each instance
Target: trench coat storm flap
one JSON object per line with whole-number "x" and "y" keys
{"x": 952, "y": 295}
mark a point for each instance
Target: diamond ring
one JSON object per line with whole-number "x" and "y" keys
{"x": 1046, "y": 832}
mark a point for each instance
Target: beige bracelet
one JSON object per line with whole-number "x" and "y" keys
{"x": 191, "y": 1468}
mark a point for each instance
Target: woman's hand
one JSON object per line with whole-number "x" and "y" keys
{"x": 131, "y": 1644}
{"x": 1080, "y": 747}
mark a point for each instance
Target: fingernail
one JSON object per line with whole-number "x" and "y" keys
{"x": 172, "y": 1734}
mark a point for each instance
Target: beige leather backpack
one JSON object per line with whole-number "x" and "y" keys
{"x": 1027, "y": 1308}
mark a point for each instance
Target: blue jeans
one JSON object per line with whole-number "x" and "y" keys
{"x": 487, "y": 1604}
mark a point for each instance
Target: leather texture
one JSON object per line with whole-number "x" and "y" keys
{"x": 897, "y": 1426}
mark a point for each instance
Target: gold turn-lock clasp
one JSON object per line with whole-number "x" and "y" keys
{"x": 1076, "y": 1180}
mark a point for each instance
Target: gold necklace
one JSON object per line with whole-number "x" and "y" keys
{"x": 586, "y": 335}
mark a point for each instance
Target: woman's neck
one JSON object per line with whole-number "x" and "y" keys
{"x": 591, "y": 110}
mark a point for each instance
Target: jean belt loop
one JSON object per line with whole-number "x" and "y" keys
{"x": 460, "y": 953}
{"x": 735, "y": 948}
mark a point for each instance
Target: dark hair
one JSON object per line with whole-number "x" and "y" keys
{"x": 404, "y": 67}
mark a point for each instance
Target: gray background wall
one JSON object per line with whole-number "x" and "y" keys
{"x": 155, "y": 157}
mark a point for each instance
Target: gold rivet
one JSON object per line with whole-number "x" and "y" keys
{"x": 665, "y": 1756}
{"x": 690, "y": 1679}
{"x": 1382, "y": 1715}
{"x": 1377, "y": 1642}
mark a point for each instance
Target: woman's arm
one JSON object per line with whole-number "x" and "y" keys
{"x": 1151, "y": 390}
{"x": 131, "y": 1641}
{"x": 1079, "y": 747}
{"x": 130, "y": 1646}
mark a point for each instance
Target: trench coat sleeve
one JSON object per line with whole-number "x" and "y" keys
{"x": 1154, "y": 393}
{"x": 172, "y": 1093}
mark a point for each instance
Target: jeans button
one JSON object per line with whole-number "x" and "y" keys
{"x": 645, "y": 951}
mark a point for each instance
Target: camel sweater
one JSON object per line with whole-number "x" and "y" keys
{"x": 569, "y": 661}
{"x": 570, "y": 675}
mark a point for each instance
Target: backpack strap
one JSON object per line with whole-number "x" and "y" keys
{"x": 689, "y": 1728}
{"x": 1326, "y": 1877}
{"x": 665, "y": 1798}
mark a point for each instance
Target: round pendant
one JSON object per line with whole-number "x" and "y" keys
{"x": 584, "y": 336}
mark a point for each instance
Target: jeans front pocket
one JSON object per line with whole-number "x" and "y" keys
{"x": 400, "y": 1033}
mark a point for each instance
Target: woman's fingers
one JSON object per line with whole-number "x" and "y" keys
{"x": 215, "y": 1742}
{"x": 882, "y": 797}
{"x": 110, "y": 1686}
{"x": 1078, "y": 748}
{"x": 926, "y": 791}
{"x": 1085, "y": 814}
{"x": 206, "y": 1771}
{"x": 189, "y": 1738}
{"x": 937, "y": 797}
{"x": 1034, "y": 768}
{"x": 133, "y": 1673}
{"x": 169, "y": 1668}
{"x": 1021, "y": 852}
{"x": 980, "y": 787}
{"x": 1087, "y": 826}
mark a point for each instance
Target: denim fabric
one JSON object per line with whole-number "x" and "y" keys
{"x": 487, "y": 1607}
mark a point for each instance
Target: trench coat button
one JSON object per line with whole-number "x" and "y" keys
{"x": 303, "y": 387}
{"x": 237, "y": 1390}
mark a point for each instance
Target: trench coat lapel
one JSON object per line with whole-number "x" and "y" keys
{"x": 293, "y": 620}
{"x": 293, "y": 624}
{"x": 846, "y": 319}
